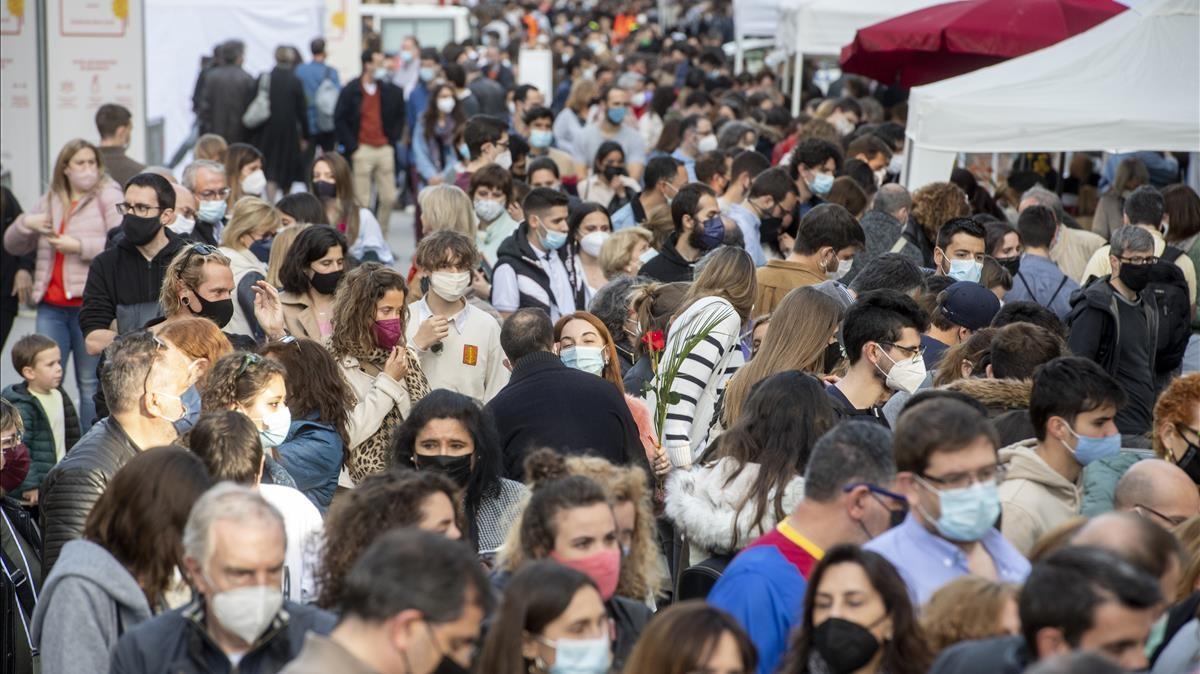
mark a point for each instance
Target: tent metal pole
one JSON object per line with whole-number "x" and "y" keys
{"x": 797, "y": 84}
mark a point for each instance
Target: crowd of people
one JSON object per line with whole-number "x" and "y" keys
{"x": 674, "y": 382}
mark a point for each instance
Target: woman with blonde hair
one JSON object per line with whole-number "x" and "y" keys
{"x": 625, "y": 251}
{"x": 569, "y": 123}
{"x": 332, "y": 182}
{"x": 969, "y": 608}
{"x": 280, "y": 246}
{"x": 246, "y": 241}
{"x": 446, "y": 206}
{"x": 67, "y": 228}
{"x": 704, "y": 338}
{"x": 212, "y": 147}
{"x": 802, "y": 328}
{"x": 369, "y": 316}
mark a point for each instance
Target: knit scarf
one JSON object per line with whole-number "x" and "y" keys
{"x": 373, "y": 455}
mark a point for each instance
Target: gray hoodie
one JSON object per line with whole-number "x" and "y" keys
{"x": 88, "y": 601}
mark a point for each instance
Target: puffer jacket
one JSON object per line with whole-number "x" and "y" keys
{"x": 37, "y": 435}
{"x": 705, "y": 508}
{"x": 1100, "y": 479}
{"x": 178, "y": 642}
{"x": 76, "y": 483}
{"x": 312, "y": 454}
{"x": 1007, "y": 403}
{"x": 95, "y": 215}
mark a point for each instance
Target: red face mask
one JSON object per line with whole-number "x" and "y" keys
{"x": 604, "y": 568}
{"x": 388, "y": 332}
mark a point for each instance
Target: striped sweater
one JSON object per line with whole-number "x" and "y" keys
{"x": 701, "y": 380}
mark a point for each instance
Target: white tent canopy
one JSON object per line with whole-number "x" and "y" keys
{"x": 823, "y": 27}
{"x": 1130, "y": 83}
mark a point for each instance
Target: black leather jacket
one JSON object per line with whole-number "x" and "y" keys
{"x": 76, "y": 483}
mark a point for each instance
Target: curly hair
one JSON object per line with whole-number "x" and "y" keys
{"x": 938, "y": 203}
{"x": 641, "y": 574}
{"x": 379, "y": 503}
{"x": 554, "y": 489}
{"x": 1176, "y": 406}
{"x": 354, "y": 307}
{"x": 236, "y": 379}
{"x": 315, "y": 385}
{"x": 972, "y": 352}
{"x": 965, "y": 609}
{"x": 186, "y": 272}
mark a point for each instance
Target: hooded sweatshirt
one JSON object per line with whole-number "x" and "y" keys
{"x": 1035, "y": 498}
{"x": 88, "y": 601}
{"x": 706, "y": 508}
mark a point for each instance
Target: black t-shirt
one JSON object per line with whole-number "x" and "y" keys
{"x": 1133, "y": 368}
{"x": 844, "y": 409}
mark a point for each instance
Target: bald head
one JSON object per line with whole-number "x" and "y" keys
{"x": 185, "y": 201}
{"x": 1159, "y": 490}
{"x": 1139, "y": 541}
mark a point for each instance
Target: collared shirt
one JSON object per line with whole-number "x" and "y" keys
{"x": 631, "y": 214}
{"x": 689, "y": 163}
{"x": 927, "y": 561}
{"x": 507, "y": 286}
{"x": 1040, "y": 280}
{"x": 470, "y": 360}
{"x": 750, "y": 225}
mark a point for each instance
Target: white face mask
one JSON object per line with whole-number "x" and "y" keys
{"x": 707, "y": 143}
{"x": 254, "y": 183}
{"x": 896, "y": 164}
{"x": 488, "y": 210}
{"x": 843, "y": 126}
{"x": 446, "y": 105}
{"x": 592, "y": 243}
{"x": 450, "y": 285}
{"x": 880, "y": 175}
{"x": 504, "y": 160}
{"x": 905, "y": 375}
{"x": 647, "y": 255}
{"x": 246, "y": 611}
{"x": 182, "y": 226}
{"x": 277, "y": 425}
{"x": 843, "y": 268}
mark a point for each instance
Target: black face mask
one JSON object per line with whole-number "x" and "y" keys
{"x": 1190, "y": 463}
{"x": 327, "y": 283}
{"x": 845, "y": 646}
{"x": 324, "y": 190}
{"x": 217, "y": 311}
{"x": 140, "y": 231}
{"x": 457, "y": 468}
{"x": 768, "y": 230}
{"x": 1135, "y": 276}
{"x": 1011, "y": 264}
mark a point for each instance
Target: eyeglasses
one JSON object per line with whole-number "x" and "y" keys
{"x": 914, "y": 351}
{"x": 1138, "y": 261}
{"x": 140, "y": 210}
{"x": 247, "y": 360}
{"x": 879, "y": 491}
{"x": 9, "y": 442}
{"x": 209, "y": 195}
{"x": 1173, "y": 521}
{"x": 994, "y": 473}
{"x": 159, "y": 345}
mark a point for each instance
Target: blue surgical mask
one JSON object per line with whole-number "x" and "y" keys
{"x": 714, "y": 232}
{"x": 580, "y": 656}
{"x": 967, "y": 513}
{"x": 211, "y": 211}
{"x": 616, "y": 115}
{"x": 551, "y": 239}
{"x": 277, "y": 425}
{"x": 821, "y": 184}
{"x": 589, "y": 359}
{"x": 464, "y": 151}
{"x": 647, "y": 255}
{"x": 965, "y": 270}
{"x": 1089, "y": 449}
{"x": 427, "y": 74}
{"x": 540, "y": 138}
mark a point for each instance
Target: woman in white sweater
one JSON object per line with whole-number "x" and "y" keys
{"x": 719, "y": 302}
{"x": 246, "y": 241}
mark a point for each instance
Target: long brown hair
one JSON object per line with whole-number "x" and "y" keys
{"x": 612, "y": 368}
{"x": 972, "y": 351}
{"x": 378, "y": 503}
{"x": 354, "y": 307}
{"x": 237, "y": 156}
{"x": 347, "y": 201}
{"x": 59, "y": 185}
{"x": 682, "y": 638}
{"x": 314, "y": 384}
{"x": 796, "y": 339}
{"x": 653, "y": 305}
{"x": 139, "y": 518}
{"x": 429, "y": 118}
{"x": 728, "y": 273}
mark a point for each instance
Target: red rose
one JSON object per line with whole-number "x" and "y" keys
{"x": 654, "y": 340}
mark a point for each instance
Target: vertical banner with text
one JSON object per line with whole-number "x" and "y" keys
{"x": 95, "y": 54}
{"x": 20, "y": 100}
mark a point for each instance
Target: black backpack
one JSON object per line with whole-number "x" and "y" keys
{"x": 1173, "y": 297}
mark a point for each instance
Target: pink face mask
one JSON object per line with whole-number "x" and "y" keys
{"x": 388, "y": 332}
{"x": 83, "y": 179}
{"x": 604, "y": 568}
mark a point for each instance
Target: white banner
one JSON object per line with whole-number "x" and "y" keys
{"x": 95, "y": 55}
{"x": 20, "y": 98}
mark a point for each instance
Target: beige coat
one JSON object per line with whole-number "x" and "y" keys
{"x": 1034, "y": 497}
{"x": 299, "y": 318}
{"x": 375, "y": 396}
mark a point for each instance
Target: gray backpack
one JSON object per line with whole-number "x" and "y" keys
{"x": 325, "y": 101}
{"x": 259, "y": 110}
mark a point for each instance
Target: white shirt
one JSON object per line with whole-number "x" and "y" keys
{"x": 52, "y": 406}
{"x": 241, "y": 262}
{"x": 305, "y": 538}
{"x": 370, "y": 238}
{"x": 507, "y": 287}
{"x": 470, "y": 361}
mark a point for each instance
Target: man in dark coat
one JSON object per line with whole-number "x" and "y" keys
{"x": 285, "y": 135}
{"x": 224, "y": 94}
